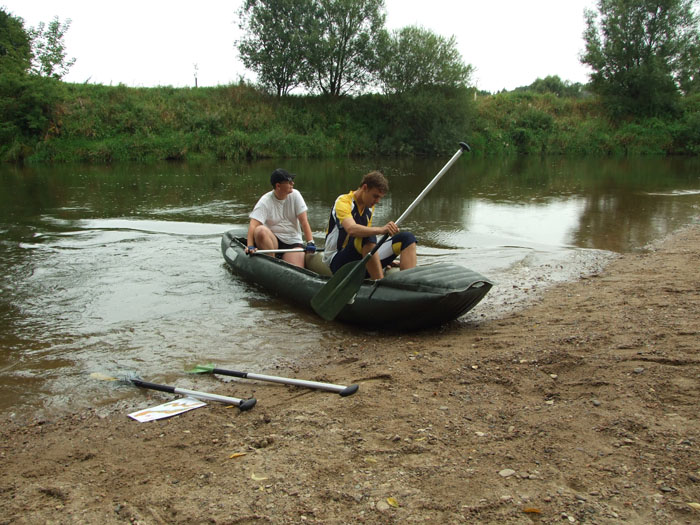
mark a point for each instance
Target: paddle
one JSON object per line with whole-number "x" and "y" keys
{"x": 242, "y": 404}
{"x": 285, "y": 250}
{"x": 342, "y": 287}
{"x": 340, "y": 389}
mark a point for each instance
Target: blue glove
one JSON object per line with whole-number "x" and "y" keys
{"x": 310, "y": 247}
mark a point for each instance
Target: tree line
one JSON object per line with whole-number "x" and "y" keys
{"x": 339, "y": 47}
{"x": 644, "y": 56}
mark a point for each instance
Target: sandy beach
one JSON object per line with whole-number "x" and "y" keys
{"x": 580, "y": 408}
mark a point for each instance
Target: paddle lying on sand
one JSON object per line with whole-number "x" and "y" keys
{"x": 340, "y": 389}
{"x": 342, "y": 287}
{"x": 242, "y": 404}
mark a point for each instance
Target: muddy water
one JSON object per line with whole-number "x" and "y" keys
{"x": 118, "y": 269}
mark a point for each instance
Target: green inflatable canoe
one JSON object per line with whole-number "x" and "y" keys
{"x": 423, "y": 296}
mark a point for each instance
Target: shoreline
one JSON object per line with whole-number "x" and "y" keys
{"x": 50, "y": 396}
{"x": 581, "y": 407}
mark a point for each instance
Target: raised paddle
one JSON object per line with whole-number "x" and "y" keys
{"x": 242, "y": 404}
{"x": 339, "y": 389}
{"x": 342, "y": 287}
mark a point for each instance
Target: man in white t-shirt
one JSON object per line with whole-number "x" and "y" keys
{"x": 276, "y": 219}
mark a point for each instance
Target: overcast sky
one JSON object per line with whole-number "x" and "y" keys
{"x": 511, "y": 43}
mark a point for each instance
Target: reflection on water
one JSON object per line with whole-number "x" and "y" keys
{"x": 118, "y": 269}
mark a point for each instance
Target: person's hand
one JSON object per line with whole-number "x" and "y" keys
{"x": 250, "y": 250}
{"x": 391, "y": 228}
{"x": 310, "y": 247}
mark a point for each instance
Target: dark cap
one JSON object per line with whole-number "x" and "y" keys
{"x": 280, "y": 175}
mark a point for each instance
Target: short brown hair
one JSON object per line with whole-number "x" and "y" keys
{"x": 375, "y": 179}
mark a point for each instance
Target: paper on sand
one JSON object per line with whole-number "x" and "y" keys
{"x": 169, "y": 409}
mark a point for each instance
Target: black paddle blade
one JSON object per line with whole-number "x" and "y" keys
{"x": 340, "y": 289}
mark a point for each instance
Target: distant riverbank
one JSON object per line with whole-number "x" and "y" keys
{"x": 105, "y": 124}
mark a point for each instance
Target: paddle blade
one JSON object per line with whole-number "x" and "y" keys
{"x": 103, "y": 377}
{"x": 201, "y": 369}
{"x": 339, "y": 290}
{"x": 126, "y": 379}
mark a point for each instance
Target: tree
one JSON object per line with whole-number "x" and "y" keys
{"x": 276, "y": 41}
{"x": 642, "y": 53}
{"x": 27, "y": 102}
{"x": 15, "y": 45}
{"x": 345, "y": 35}
{"x": 416, "y": 57}
{"x": 553, "y": 84}
{"x": 49, "y": 50}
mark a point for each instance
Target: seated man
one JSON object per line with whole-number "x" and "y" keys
{"x": 350, "y": 234}
{"x": 275, "y": 220}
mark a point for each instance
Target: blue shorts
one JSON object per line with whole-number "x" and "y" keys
{"x": 387, "y": 251}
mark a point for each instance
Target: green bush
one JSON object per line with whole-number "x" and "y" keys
{"x": 28, "y": 109}
{"x": 48, "y": 121}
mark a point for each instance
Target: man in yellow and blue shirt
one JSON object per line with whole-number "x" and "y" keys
{"x": 350, "y": 234}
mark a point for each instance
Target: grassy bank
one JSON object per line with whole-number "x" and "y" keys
{"x": 529, "y": 123}
{"x": 102, "y": 124}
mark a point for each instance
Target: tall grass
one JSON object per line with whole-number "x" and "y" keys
{"x": 530, "y": 123}
{"x": 102, "y": 124}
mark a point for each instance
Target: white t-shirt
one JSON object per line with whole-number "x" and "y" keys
{"x": 281, "y": 216}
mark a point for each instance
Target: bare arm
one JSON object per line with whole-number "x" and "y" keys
{"x": 357, "y": 230}
{"x": 304, "y": 221}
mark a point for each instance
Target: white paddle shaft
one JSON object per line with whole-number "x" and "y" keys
{"x": 287, "y": 250}
{"x": 430, "y": 186}
{"x": 297, "y": 382}
{"x": 208, "y": 396}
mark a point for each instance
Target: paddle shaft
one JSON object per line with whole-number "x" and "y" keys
{"x": 246, "y": 404}
{"x": 463, "y": 146}
{"x": 339, "y": 389}
{"x": 286, "y": 250}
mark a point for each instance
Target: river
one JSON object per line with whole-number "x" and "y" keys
{"x": 117, "y": 269}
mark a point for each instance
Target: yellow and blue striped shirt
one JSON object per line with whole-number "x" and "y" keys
{"x": 336, "y": 237}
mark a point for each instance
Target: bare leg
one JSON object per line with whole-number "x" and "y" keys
{"x": 374, "y": 265}
{"x": 265, "y": 239}
{"x": 296, "y": 258}
{"x": 409, "y": 258}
